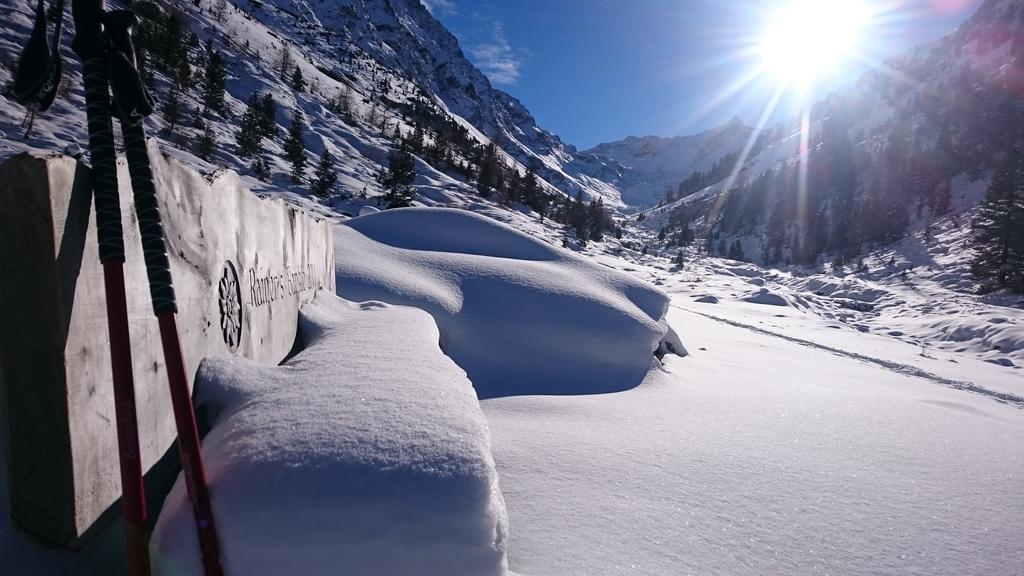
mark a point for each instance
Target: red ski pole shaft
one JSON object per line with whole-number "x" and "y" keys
{"x": 188, "y": 444}
{"x": 133, "y": 500}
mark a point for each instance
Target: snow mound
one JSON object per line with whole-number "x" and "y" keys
{"x": 520, "y": 316}
{"x": 765, "y": 296}
{"x": 452, "y": 231}
{"x": 347, "y": 459}
{"x": 707, "y": 299}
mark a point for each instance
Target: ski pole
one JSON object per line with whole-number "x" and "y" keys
{"x": 133, "y": 104}
{"x": 89, "y": 46}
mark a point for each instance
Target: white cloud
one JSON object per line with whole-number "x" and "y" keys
{"x": 441, "y": 6}
{"x": 496, "y": 57}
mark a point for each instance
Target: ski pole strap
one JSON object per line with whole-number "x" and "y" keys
{"x": 38, "y": 71}
{"x": 132, "y": 100}
{"x": 154, "y": 250}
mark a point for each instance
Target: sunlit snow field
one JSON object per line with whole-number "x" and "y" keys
{"x": 757, "y": 455}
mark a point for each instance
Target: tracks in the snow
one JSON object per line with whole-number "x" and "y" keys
{"x": 908, "y": 370}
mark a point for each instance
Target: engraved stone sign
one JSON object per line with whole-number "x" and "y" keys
{"x": 242, "y": 266}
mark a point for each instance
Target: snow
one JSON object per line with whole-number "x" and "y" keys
{"x": 519, "y": 315}
{"x": 340, "y": 47}
{"x": 21, "y": 554}
{"x": 843, "y": 424}
{"x": 757, "y": 455}
{"x": 653, "y": 164}
{"x": 765, "y": 296}
{"x": 912, "y": 308}
{"x": 366, "y": 453}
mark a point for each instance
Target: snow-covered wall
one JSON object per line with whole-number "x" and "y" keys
{"x": 242, "y": 267}
{"x": 367, "y": 453}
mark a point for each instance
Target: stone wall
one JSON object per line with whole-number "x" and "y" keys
{"x": 242, "y": 266}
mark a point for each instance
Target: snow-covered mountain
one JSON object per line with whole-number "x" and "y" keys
{"x": 403, "y": 37}
{"x": 652, "y": 165}
{"x": 388, "y": 63}
{"x": 376, "y": 69}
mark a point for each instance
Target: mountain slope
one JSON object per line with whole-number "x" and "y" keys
{"x": 373, "y": 70}
{"x": 896, "y": 152}
{"x": 653, "y": 165}
{"x": 402, "y": 36}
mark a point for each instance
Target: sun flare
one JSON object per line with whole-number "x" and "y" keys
{"x": 806, "y": 38}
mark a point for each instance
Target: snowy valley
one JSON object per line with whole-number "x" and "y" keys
{"x": 647, "y": 357}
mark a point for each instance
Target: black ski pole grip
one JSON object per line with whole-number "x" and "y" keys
{"x": 151, "y": 229}
{"x": 90, "y": 47}
{"x": 104, "y": 166}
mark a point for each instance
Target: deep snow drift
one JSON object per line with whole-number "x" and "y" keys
{"x": 366, "y": 453}
{"x": 520, "y": 316}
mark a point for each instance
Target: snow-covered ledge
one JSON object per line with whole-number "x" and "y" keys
{"x": 366, "y": 453}
{"x": 242, "y": 265}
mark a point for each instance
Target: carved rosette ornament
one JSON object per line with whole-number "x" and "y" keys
{"x": 229, "y": 296}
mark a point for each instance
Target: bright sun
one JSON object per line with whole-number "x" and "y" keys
{"x": 806, "y": 38}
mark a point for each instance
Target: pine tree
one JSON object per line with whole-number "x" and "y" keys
{"x": 598, "y": 220}
{"x": 346, "y": 106}
{"x": 736, "y": 251}
{"x": 534, "y": 196}
{"x": 206, "y": 144}
{"x": 326, "y": 177}
{"x": 999, "y": 228}
{"x": 397, "y": 179}
{"x": 284, "y": 62}
{"x": 268, "y": 117}
{"x": 250, "y": 135}
{"x": 515, "y": 187}
{"x": 686, "y": 236}
{"x": 438, "y": 152}
{"x": 162, "y": 44}
{"x": 295, "y": 148}
{"x": 260, "y": 169}
{"x": 214, "y": 78}
{"x": 500, "y": 178}
{"x": 488, "y": 174}
{"x": 416, "y": 140}
{"x": 172, "y": 109}
{"x": 297, "y": 81}
{"x": 372, "y": 118}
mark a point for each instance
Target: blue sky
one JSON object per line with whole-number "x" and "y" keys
{"x": 598, "y": 70}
